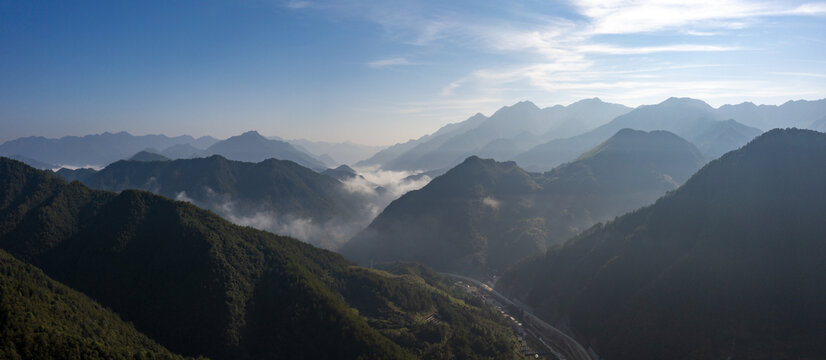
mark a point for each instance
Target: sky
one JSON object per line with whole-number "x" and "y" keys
{"x": 380, "y": 71}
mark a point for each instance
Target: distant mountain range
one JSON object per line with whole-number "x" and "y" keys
{"x": 278, "y": 195}
{"x": 730, "y": 265}
{"x": 339, "y": 153}
{"x": 509, "y": 130}
{"x": 540, "y": 139}
{"x": 537, "y": 139}
{"x": 199, "y": 285}
{"x": 691, "y": 119}
{"x": 253, "y": 147}
{"x": 792, "y": 114}
{"x": 103, "y": 149}
{"x": 819, "y": 125}
{"x": 482, "y": 216}
{"x": 94, "y": 150}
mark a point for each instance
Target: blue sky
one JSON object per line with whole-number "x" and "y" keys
{"x": 380, "y": 72}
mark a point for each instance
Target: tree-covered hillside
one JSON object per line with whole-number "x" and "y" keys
{"x": 272, "y": 193}
{"x": 200, "y": 285}
{"x": 728, "y": 266}
{"x": 43, "y": 319}
{"x": 482, "y": 216}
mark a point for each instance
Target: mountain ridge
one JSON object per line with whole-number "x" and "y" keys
{"x": 274, "y": 194}
{"x": 729, "y": 256}
{"x": 686, "y": 117}
{"x": 484, "y": 215}
{"x": 95, "y": 149}
{"x": 200, "y": 285}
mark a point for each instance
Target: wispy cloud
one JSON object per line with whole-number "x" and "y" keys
{"x": 628, "y": 17}
{"x": 814, "y": 75}
{"x": 298, "y": 4}
{"x": 615, "y": 50}
{"x": 588, "y": 48}
{"x": 396, "y": 61}
{"x": 809, "y": 9}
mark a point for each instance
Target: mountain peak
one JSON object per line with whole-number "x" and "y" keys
{"x": 474, "y": 160}
{"x": 750, "y": 222}
{"x": 594, "y": 100}
{"x": 791, "y": 137}
{"x": 345, "y": 168}
{"x": 518, "y": 109}
{"x": 627, "y": 132}
{"x": 148, "y": 156}
{"x": 656, "y": 145}
{"x": 252, "y": 133}
{"x": 685, "y": 101}
{"x": 526, "y": 104}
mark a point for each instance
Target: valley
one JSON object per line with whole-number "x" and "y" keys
{"x": 481, "y": 259}
{"x": 418, "y": 179}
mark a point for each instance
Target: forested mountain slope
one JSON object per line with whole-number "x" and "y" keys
{"x": 201, "y": 286}
{"x": 729, "y": 265}
{"x": 483, "y": 215}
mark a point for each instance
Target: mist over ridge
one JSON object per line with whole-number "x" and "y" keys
{"x": 419, "y": 179}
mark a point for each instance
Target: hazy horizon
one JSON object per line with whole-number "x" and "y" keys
{"x": 379, "y": 73}
{"x": 418, "y": 179}
{"x": 269, "y": 135}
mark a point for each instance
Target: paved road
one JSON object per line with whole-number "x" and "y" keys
{"x": 564, "y": 344}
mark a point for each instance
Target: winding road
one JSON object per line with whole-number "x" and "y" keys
{"x": 559, "y": 343}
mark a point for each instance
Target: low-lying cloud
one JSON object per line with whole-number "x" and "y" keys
{"x": 381, "y": 187}
{"x": 491, "y": 202}
{"x": 374, "y": 189}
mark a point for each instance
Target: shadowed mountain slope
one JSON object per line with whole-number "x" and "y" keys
{"x": 724, "y": 136}
{"x": 281, "y": 191}
{"x": 33, "y": 162}
{"x": 43, "y": 319}
{"x": 483, "y": 215}
{"x": 200, "y": 285}
{"x": 182, "y": 151}
{"x": 729, "y": 265}
{"x": 148, "y": 156}
{"x": 76, "y": 174}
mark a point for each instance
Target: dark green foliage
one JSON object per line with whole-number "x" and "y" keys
{"x": 76, "y": 174}
{"x": 200, "y": 285}
{"x": 277, "y": 185}
{"x": 241, "y": 190}
{"x": 460, "y": 330}
{"x": 730, "y": 264}
{"x": 32, "y": 162}
{"x": 42, "y": 319}
{"x": 483, "y": 216}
